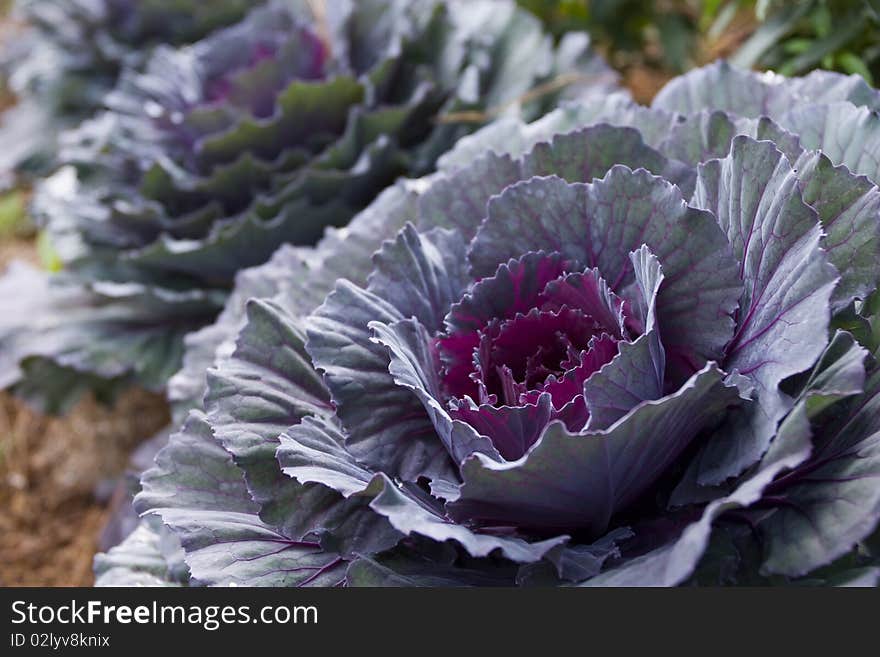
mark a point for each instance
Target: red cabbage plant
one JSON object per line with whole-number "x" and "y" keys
{"x": 617, "y": 345}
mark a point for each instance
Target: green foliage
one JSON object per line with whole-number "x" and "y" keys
{"x": 795, "y": 37}
{"x": 791, "y": 38}
{"x": 13, "y": 214}
{"x": 49, "y": 258}
{"x": 662, "y": 33}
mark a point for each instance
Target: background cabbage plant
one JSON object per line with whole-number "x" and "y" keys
{"x": 262, "y": 134}
{"x": 69, "y": 53}
{"x": 617, "y": 345}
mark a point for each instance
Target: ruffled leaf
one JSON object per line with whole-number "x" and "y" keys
{"x": 745, "y": 93}
{"x": 267, "y": 385}
{"x": 581, "y": 480}
{"x": 849, "y": 209}
{"x": 847, "y": 134}
{"x": 187, "y": 387}
{"x": 600, "y": 224}
{"x": 458, "y": 199}
{"x": 200, "y": 493}
{"x": 335, "y": 490}
{"x": 675, "y": 561}
{"x": 788, "y": 283}
{"x": 708, "y": 134}
{"x": 314, "y": 454}
{"x": 411, "y": 513}
{"x": 421, "y": 275}
{"x": 516, "y": 287}
{"x": 387, "y": 427}
{"x": 833, "y": 500}
{"x": 637, "y": 373}
{"x": 414, "y": 366}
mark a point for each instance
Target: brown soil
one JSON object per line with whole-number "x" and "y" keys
{"x": 50, "y": 469}
{"x": 644, "y": 82}
{"x": 17, "y": 249}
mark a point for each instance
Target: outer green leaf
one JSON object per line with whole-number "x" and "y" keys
{"x": 267, "y": 385}
{"x": 833, "y": 500}
{"x": 200, "y": 494}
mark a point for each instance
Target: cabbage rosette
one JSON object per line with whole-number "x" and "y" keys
{"x": 71, "y": 54}
{"x": 614, "y": 346}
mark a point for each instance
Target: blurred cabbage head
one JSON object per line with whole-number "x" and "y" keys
{"x": 264, "y": 133}
{"x": 613, "y": 346}
{"x": 67, "y": 54}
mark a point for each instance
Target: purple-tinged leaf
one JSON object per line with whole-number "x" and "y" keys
{"x": 708, "y": 134}
{"x": 839, "y": 373}
{"x": 437, "y": 566}
{"x": 415, "y": 367}
{"x": 587, "y": 154}
{"x": 574, "y": 563}
{"x": 588, "y": 292}
{"x": 675, "y": 561}
{"x": 187, "y": 387}
{"x": 534, "y": 345}
{"x": 512, "y": 429}
{"x": 513, "y": 137}
{"x": 421, "y": 275}
{"x": 567, "y": 391}
{"x": 516, "y": 287}
{"x": 784, "y": 313}
{"x": 600, "y": 224}
{"x": 579, "y": 481}
{"x": 388, "y": 429}
{"x": 637, "y": 373}
{"x": 267, "y": 385}
{"x": 335, "y": 506}
{"x": 411, "y": 513}
{"x": 199, "y": 493}
{"x": 314, "y": 452}
{"x": 458, "y": 199}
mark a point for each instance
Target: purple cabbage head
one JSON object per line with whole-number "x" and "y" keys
{"x": 614, "y": 346}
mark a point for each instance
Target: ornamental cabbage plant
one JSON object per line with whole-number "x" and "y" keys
{"x": 71, "y": 53}
{"x": 262, "y": 134}
{"x": 614, "y": 346}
